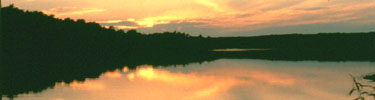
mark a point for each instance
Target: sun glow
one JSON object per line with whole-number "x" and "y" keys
{"x": 222, "y": 16}
{"x": 126, "y": 27}
{"x": 110, "y": 21}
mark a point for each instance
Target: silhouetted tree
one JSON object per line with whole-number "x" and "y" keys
{"x": 132, "y": 32}
{"x": 81, "y": 21}
{"x": 111, "y": 27}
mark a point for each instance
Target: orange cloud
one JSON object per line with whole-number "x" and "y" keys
{"x": 126, "y": 27}
{"x": 226, "y": 16}
{"x": 69, "y": 11}
{"x": 211, "y": 4}
{"x": 110, "y": 21}
{"x": 113, "y": 74}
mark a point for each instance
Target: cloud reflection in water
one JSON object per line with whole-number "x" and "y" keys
{"x": 218, "y": 80}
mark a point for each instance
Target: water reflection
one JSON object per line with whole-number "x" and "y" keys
{"x": 219, "y": 80}
{"x": 87, "y": 86}
{"x": 196, "y": 85}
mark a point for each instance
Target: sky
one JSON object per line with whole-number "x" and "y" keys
{"x": 216, "y": 17}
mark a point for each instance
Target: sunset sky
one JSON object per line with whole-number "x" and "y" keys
{"x": 216, "y": 17}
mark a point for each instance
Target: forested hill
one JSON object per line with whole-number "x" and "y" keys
{"x": 34, "y": 38}
{"x": 32, "y": 34}
{"x": 318, "y": 41}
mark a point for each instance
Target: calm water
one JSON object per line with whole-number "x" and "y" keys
{"x": 225, "y": 79}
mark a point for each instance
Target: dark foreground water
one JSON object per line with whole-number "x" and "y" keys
{"x": 225, "y": 79}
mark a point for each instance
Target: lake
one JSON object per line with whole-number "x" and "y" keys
{"x": 223, "y": 79}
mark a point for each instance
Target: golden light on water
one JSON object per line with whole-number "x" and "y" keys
{"x": 218, "y": 80}
{"x": 87, "y": 86}
{"x": 194, "y": 85}
{"x": 130, "y": 76}
{"x": 214, "y": 89}
{"x": 206, "y": 86}
{"x": 200, "y": 86}
{"x": 152, "y": 74}
{"x": 272, "y": 79}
